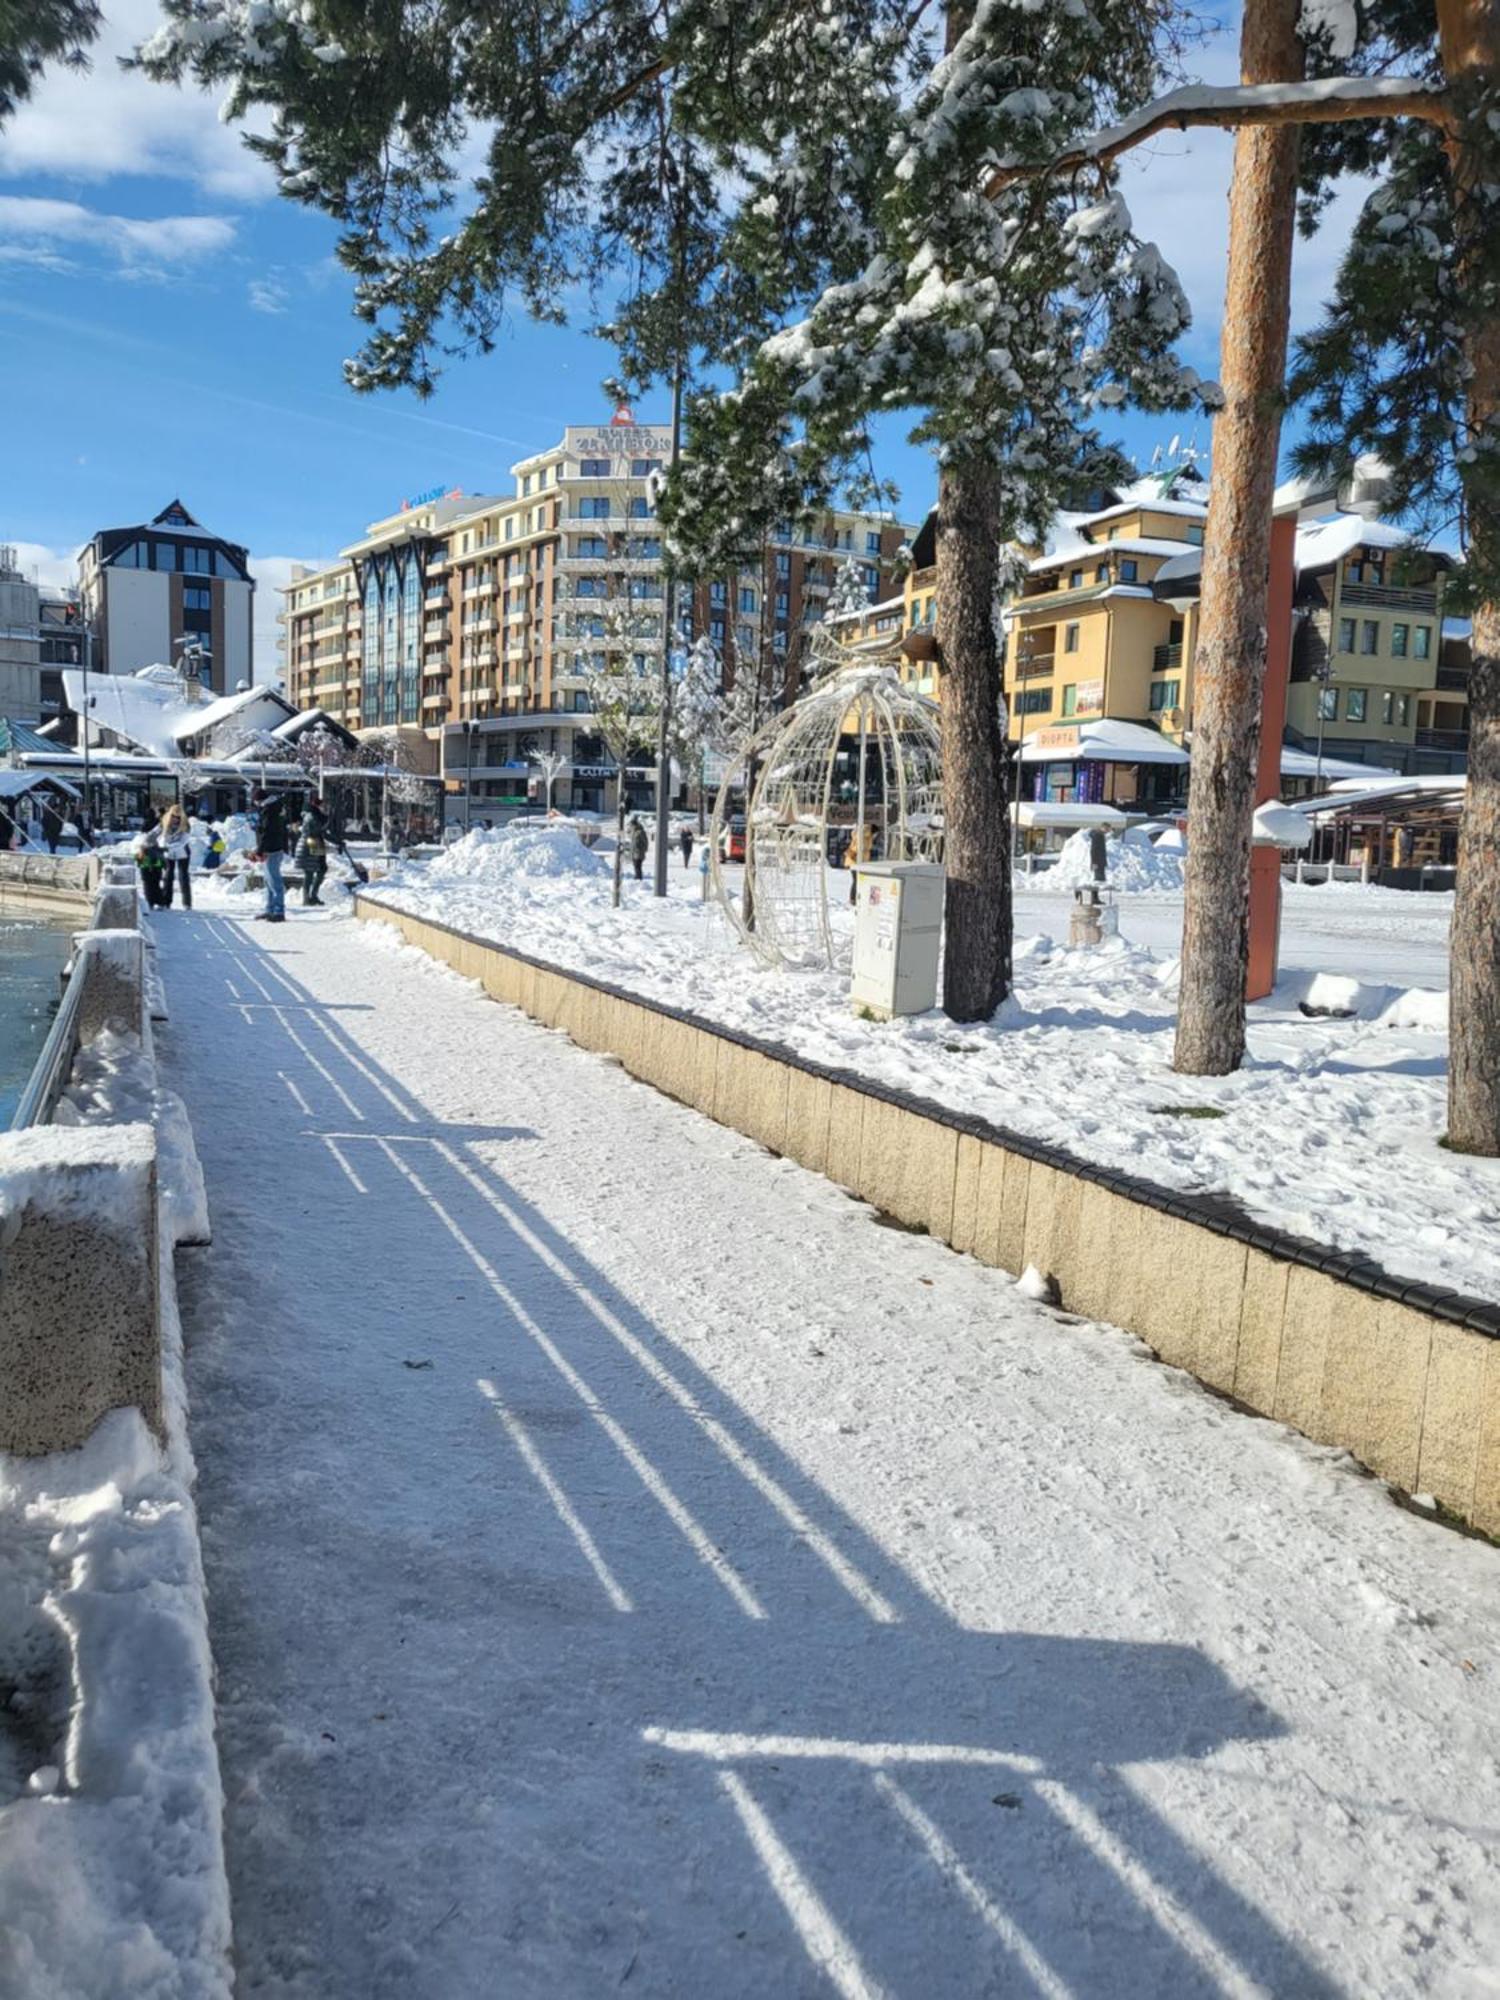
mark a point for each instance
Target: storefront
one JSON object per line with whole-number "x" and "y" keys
{"x": 1103, "y": 762}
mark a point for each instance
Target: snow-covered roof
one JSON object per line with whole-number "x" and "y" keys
{"x": 1303, "y": 764}
{"x": 1320, "y": 543}
{"x": 14, "y": 783}
{"x": 1140, "y": 497}
{"x": 1107, "y": 740}
{"x": 144, "y": 707}
{"x": 864, "y": 610}
{"x": 1130, "y": 545}
{"x": 198, "y": 721}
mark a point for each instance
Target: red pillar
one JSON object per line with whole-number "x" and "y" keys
{"x": 1265, "y": 862}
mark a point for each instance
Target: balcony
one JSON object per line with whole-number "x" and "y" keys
{"x": 1388, "y": 597}
{"x": 1442, "y": 739}
{"x": 1165, "y": 658}
{"x": 1452, "y": 680}
{"x": 1038, "y": 667}
{"x": 438, "y": 630}
{"x": 485, "y": 622}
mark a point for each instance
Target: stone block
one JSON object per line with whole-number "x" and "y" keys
{"x": 111, "y": 969}
{"x": 906, "y": 1166}
{"x": 1214, "y": 1269}
{"x": 116, "y": 908}
{"x": 1374, "y": 1382}
{"x": 750, "y": 1093}
{"x": 1312, "y": 1303}
{"x": 1448, "y": 1461}
{"x": 846, "y": 1117}
{"x": 1262, "y": 1311}
{"x": 1092, "y": 1290}
{"x": 1054, "y": 1207}
{"x": 807, "y": 1113}
{"x": 80, "y": 1320}
{"x": 1015, "y": 1202}
{"x": 1155, "y": 1292}
{"x": 963, "y": 1229}
{"x": 1487, "y": 1455}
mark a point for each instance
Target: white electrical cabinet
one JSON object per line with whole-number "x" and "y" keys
{"x": 898, "y": 923}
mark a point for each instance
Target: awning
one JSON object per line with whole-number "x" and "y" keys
{"x": 1303, "y": 764}
{"x": 1106, "y": 740}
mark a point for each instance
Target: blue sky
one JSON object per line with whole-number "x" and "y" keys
{"x": 171, "y": 328}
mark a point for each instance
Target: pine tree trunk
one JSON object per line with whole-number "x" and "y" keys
{"x": 1469, "y": 41}
{"x": 976, "y": 823}
{"x": 1229, "y": 666}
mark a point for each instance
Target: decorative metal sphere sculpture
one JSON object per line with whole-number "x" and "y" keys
{"x": 852, "y": 771}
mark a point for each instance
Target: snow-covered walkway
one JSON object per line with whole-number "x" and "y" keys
{"x": 634, "y": 1568}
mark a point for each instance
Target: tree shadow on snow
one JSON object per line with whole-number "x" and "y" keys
{"x": 612, "y": 1690}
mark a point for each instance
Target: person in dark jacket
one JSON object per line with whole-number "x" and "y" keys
{"x": 685, "y": 842}
{"x": 312, "y": 851}
{"x": 151, "y": 860}
{"x": 638, "y": 845}
{"x": 52, "y": 825}
{"x": 270, "y": 852}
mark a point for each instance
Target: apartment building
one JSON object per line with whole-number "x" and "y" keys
{"x": 1377, "y": 673}
{"x": 158, "y": 589}
{"x": 41, "y": 632}
{"x": 474, "y": 618}
{"x": 1101, "y": 633}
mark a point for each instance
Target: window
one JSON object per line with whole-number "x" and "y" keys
{"x": 1395, "y": 708}
{"x": 595, "y": 509}
{"x": 592, "y": 586}
{"x": 716, "y": 630}
{"x": 1130, "y": 569}
{"x": 1328, "y": 705}
{"x": 588, "y": 468}
{"x": 1369, "y": 636}
{"x": 783, "y": 565}
{"x": 748, "y": 598}
{"x": 1421, "y": 642}
{"x": 640, "y": 509}
{"x": 642, "y": 468}
{"x": 591, "y": 545}
{"x": 1075, "y": 579}
{"x": 1101, "y": 574}
{"x": 1398, "y": 641}
{"x": 744, "y": 638}
{"x": 783, "y": 603}
{"x": 1194, "y": 535}
{"x": 718, "y": 593}
{"x": 1070, "y": 638}
{"x": 1164, "y": 695}
{"x": 1070, "y": 698}
{"x": 1355, "y": 702}
{"x": 1034, "y": 701}
{"x": 1346, "y": 635}
{"x": 163, "y": 555}
{"x": 1355, "y": 572}
{"x": 196, "y": 597}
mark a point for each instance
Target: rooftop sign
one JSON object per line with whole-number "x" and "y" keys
{"x": 433, "y": 493}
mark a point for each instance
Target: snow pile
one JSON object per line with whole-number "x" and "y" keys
{"x": 529, "y": 849}
{"x": 1416, "y": 1009}
{"x": 1135, "y": 866}
{"x": 239, "y": 834}
{"x": 112, "y": 1873}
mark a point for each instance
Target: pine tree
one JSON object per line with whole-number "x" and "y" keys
{"x": 34, "y": 33}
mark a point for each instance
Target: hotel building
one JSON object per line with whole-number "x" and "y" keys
{"x": 165, "y": 587}
{"x": 471, "y": 618}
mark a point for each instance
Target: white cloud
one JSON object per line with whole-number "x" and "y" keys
{"x": 32, "y": 229}
{"x": 44, "y": 565}
{"x": 88, "y": 125}
{"x": 267, "y": 295}
{"x": 272, "y": 574}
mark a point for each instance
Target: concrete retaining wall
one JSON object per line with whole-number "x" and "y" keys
{"x": 1405, "y": 1376}
{"x": 48, "y": 884}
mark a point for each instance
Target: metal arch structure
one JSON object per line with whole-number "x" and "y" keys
{"x": 794, "y": 802}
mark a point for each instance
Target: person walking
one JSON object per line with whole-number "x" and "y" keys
{"x": 52, "y": 824}
{"x": 685, "y": 842}
{"x": 312, "y": 852}
{"x": 638, "y": 845}
{"x": 151, "y": 862}
{"x": 177, "y": 856}
{"x": 270, "y": 852}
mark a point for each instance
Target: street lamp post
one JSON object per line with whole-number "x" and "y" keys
{"x": 88, "y": 774}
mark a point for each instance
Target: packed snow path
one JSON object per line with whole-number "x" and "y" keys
{"x": 634, "y": 1568}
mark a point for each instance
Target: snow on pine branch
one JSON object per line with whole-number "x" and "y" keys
{"x": 1324, "y": 100}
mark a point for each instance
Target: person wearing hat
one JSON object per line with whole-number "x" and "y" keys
{"x": 270, "y": 852}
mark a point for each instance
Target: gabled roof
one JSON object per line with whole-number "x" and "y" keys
{"x": 201, "y": 721}
{"x": 175, "y": 515}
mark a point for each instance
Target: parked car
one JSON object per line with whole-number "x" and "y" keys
{"x": 732, "y": 839}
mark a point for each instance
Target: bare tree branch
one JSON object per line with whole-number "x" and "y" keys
{"x": 1328, "y": 101}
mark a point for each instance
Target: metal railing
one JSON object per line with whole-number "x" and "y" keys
{"x": 1388, "y": 597}
{"x": 54, "y": 1065}
{"x": 1165, "y": 657}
